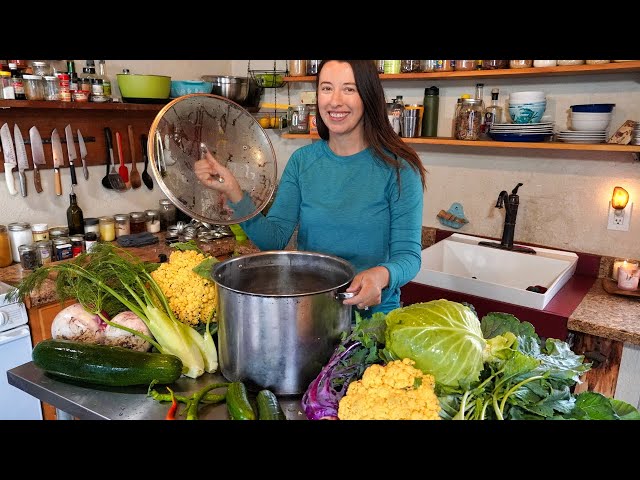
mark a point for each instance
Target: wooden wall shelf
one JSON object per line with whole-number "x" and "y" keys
{"x": 614, "y": 67}
{"x": 117, "y": 106}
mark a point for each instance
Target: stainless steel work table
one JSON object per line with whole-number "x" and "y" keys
{"x": 124, "y": 403}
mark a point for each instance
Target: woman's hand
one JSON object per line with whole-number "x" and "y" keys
{"x": 367, "y": 286}
{"x": 213, "y": 175}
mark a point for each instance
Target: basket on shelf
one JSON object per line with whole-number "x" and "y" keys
{"x": 268, "y": 78}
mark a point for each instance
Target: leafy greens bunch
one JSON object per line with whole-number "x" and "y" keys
{"x": 110, "y": 280}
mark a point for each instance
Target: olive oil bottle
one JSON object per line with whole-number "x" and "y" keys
{"x": 75, "y": 219}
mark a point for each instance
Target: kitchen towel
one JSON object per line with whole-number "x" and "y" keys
{"x": 137, "y": 240}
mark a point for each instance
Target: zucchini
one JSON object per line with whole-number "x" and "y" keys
{"x": 238, "y": 403}
{"x": 104, "y": 364}
{"x": 269, "y": 407}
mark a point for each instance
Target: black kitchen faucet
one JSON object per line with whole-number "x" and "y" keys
{"x": 510, "y": 202}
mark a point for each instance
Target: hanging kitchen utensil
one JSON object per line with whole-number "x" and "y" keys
{"x": 114, "y": 179}
{"x": 106, "y": 182}
{"x": 123, "y": 171}
{"x": 10, "y": 161}
{"x": 37, "y": 151}
{"x": 234, "y": 138}
{"x": 23, "y": 161}
{"x": 134, "y": 177}
{"x": 146, "y": 178}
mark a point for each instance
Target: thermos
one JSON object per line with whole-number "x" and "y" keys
{"x": 430, "y": 115}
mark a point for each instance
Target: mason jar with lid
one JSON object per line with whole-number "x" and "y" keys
{"x": 58, "y": 232}
{"x": 469, "y": 120}
{"x": 122, "y": 224}
{"x": 33, "y": 87}
{"x": 51, "y": 88}
{"x": 167, "y": 213}
{"x": 152, "y": 221}
{"x": 77, "y": 245}
{"x": 91, "y": 225}
{"x": 40, "y": 231}
{"x": 520, "y": 63}
{"x": 44, "y": 251}
{"x": 19, "y": 234}
{"x": 41, "y": 68}
{"x": 465, "y": 65}
{"x": 137, "y": 222}
{"x": 494, "y": 64}
{"x": 28, "y": 257}
{"x": 6, "y": 258}
{"x": 107, "y": 228}
{"x": 297, "y": 68}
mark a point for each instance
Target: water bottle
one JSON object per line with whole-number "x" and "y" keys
{"x": 430, "y": 115}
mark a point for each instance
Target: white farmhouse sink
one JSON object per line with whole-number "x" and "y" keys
{"x": 458, "y": 263}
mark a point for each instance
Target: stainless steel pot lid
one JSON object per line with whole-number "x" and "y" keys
{"x": 232, "y": 135}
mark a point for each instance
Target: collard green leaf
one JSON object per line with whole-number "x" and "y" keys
{"x": 188, "y": 245}
{"x": 497, "y": 323}
{"x": 205, "y": 267}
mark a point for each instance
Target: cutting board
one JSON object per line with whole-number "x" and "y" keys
{"x": 612, "y": 287}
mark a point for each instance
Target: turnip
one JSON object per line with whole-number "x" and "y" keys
{"x": 76, "y": 324}
{"x": 122, "y": 338}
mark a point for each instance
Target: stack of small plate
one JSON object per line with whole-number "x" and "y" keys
{"x": 635, "y": 135}
{"x": 521, "y": 132}
{"x": 582, "y": 136}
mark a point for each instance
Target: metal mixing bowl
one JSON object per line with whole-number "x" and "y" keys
{"x": 228, "y": 86}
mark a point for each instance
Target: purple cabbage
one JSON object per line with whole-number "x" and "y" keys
{"x": 350, "y": 359}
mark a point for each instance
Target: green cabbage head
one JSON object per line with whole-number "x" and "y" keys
{"x": 441, "y": 336}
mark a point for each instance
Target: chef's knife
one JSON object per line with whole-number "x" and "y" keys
{"x": 58, "y": 159}
{"x": 83, "y": 155}
{"x": 9, "y": 157}
{"x": 71, "y": 150}
{"x": 23, "y": 161}
{"x": 38, "y": 156}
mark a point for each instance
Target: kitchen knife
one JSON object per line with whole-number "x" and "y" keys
{"x": 71, "y": 151}
{"x": 58, "y": 159}
{"x": 38, "y": 156}
{"x": 23, "y": 161}
{"x": 83, "y": 155}
{"x": 9, "y": 157}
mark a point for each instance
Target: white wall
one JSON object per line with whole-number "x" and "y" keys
{"x": 563, "y": 202}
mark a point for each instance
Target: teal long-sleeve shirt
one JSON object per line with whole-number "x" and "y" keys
{"x": 347, "y": 206}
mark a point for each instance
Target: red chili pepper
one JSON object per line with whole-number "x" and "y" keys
{"x": 171, "y": 414}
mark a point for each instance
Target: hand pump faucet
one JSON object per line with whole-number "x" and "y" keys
{"x": 510, "y": 202}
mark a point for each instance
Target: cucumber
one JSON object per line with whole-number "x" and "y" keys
{"x": 269, "y": 407}
{"x": 238, "y": 403}
{"x": 104, "y": 364}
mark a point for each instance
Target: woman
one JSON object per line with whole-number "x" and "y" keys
{"x": 357, "y": 193}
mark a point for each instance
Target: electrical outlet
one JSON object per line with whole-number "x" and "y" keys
{"x": 619, "y": 222}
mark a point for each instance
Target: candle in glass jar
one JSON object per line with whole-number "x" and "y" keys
{"x": 628, "y": 277}
{"x": 618, "y": 263}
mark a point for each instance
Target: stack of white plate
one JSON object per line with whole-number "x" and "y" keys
{"x": 582, "y": 136}
{"x": 521, "y": 132}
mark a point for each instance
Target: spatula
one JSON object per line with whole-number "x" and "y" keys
{"x": 146, "y": 178}
{"x": 134, "y": 177}
{"x": 123, "y": 170}
{"x": 114, "y": 179}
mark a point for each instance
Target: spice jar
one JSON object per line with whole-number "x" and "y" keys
{"x": 28, "y": 257}
{"x": 107, "y": 228}
{"x": 91, "y": 225}
{"x": 167, "y": 213}
{"x": 43, "y": 251}
{"x": 152, "y": 221}
{"x": 62, "y": 248}
{"x": 19, "y": 234}
{"x": 77, "y": 245}
{"x": 520, "y": 63}
{"x": 90, "y": 240}
{"x": 6, "y": 87}
{"x": 469, "y": 120}
{"x": 137, "y": 222}
{"x": 40, "y": 231}
{"x": 122, "y": 224}
{"x": 6, "y": 258}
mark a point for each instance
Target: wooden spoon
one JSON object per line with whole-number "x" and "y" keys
{"x": 123, "y": 170}
{"x": 134, "y": 175}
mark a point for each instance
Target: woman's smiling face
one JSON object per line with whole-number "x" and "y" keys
{"x": 339, "y": 102}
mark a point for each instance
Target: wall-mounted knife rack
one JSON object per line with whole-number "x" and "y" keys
{"x": 63, "y": 140}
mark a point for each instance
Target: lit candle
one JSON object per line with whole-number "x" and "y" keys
{"x": 621, "y": 263}
{"x": 628, "y": 277}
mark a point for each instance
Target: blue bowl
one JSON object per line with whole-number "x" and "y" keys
{"x": 527, "y": 112}
{"x": 187, "y": 87}
{"x": 593, "y": 107}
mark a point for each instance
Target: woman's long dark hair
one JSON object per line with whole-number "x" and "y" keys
{"x": 378, "y": 132}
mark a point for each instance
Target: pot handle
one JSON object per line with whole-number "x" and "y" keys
{"x": 344, "y": 295}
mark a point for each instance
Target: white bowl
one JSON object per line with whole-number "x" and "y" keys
{"x": 589, "y": 125}
{"x": 527, "y": 97}
{"x": 592, "y": 116}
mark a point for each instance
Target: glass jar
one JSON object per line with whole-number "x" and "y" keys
{"x": 570, "y": 62}
{"x": 6, "y": 87}
{"x": 51, "y": 88}
{"x": 107, "y": 228}
{"x": 466, "y": 65}
{"x": 520, "y": 63}
{"x": 28, "y": 257}
{"x": 152, "y": 221}
{"x": 469, "y": 120}
{"x": 77, "y": 245}
{"x": 40, "y": 231}
{"x": 122, "y": 224}
{"x": 6, "y": 258}
{"x": 137, "y": 222}
{"x": 494, "y": 64}
{"x": 544, "y": 63}
{"x": 409, "y": 66}
{"x": 379, "y": 66}
{"x": 91, "y": 224}
{"x": 33, "y": 87}
{"x": 43, "y": 251}
{"x": 297, "y": 68}
{"x": 55, "y": 232}
{"x": 90, "y": 240}
{"x": 444, "y": 66}
{"x": 62, "y": 248}
{"x": 597, "y": 62}
{"x": 40, "y": 68}
{"x": 392, "y": 66}
{"x": 427, "y": 65}
{"x": 312, "y": 67}
{"x": 19, "y": 234}
{"x": 167, "y": 213}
